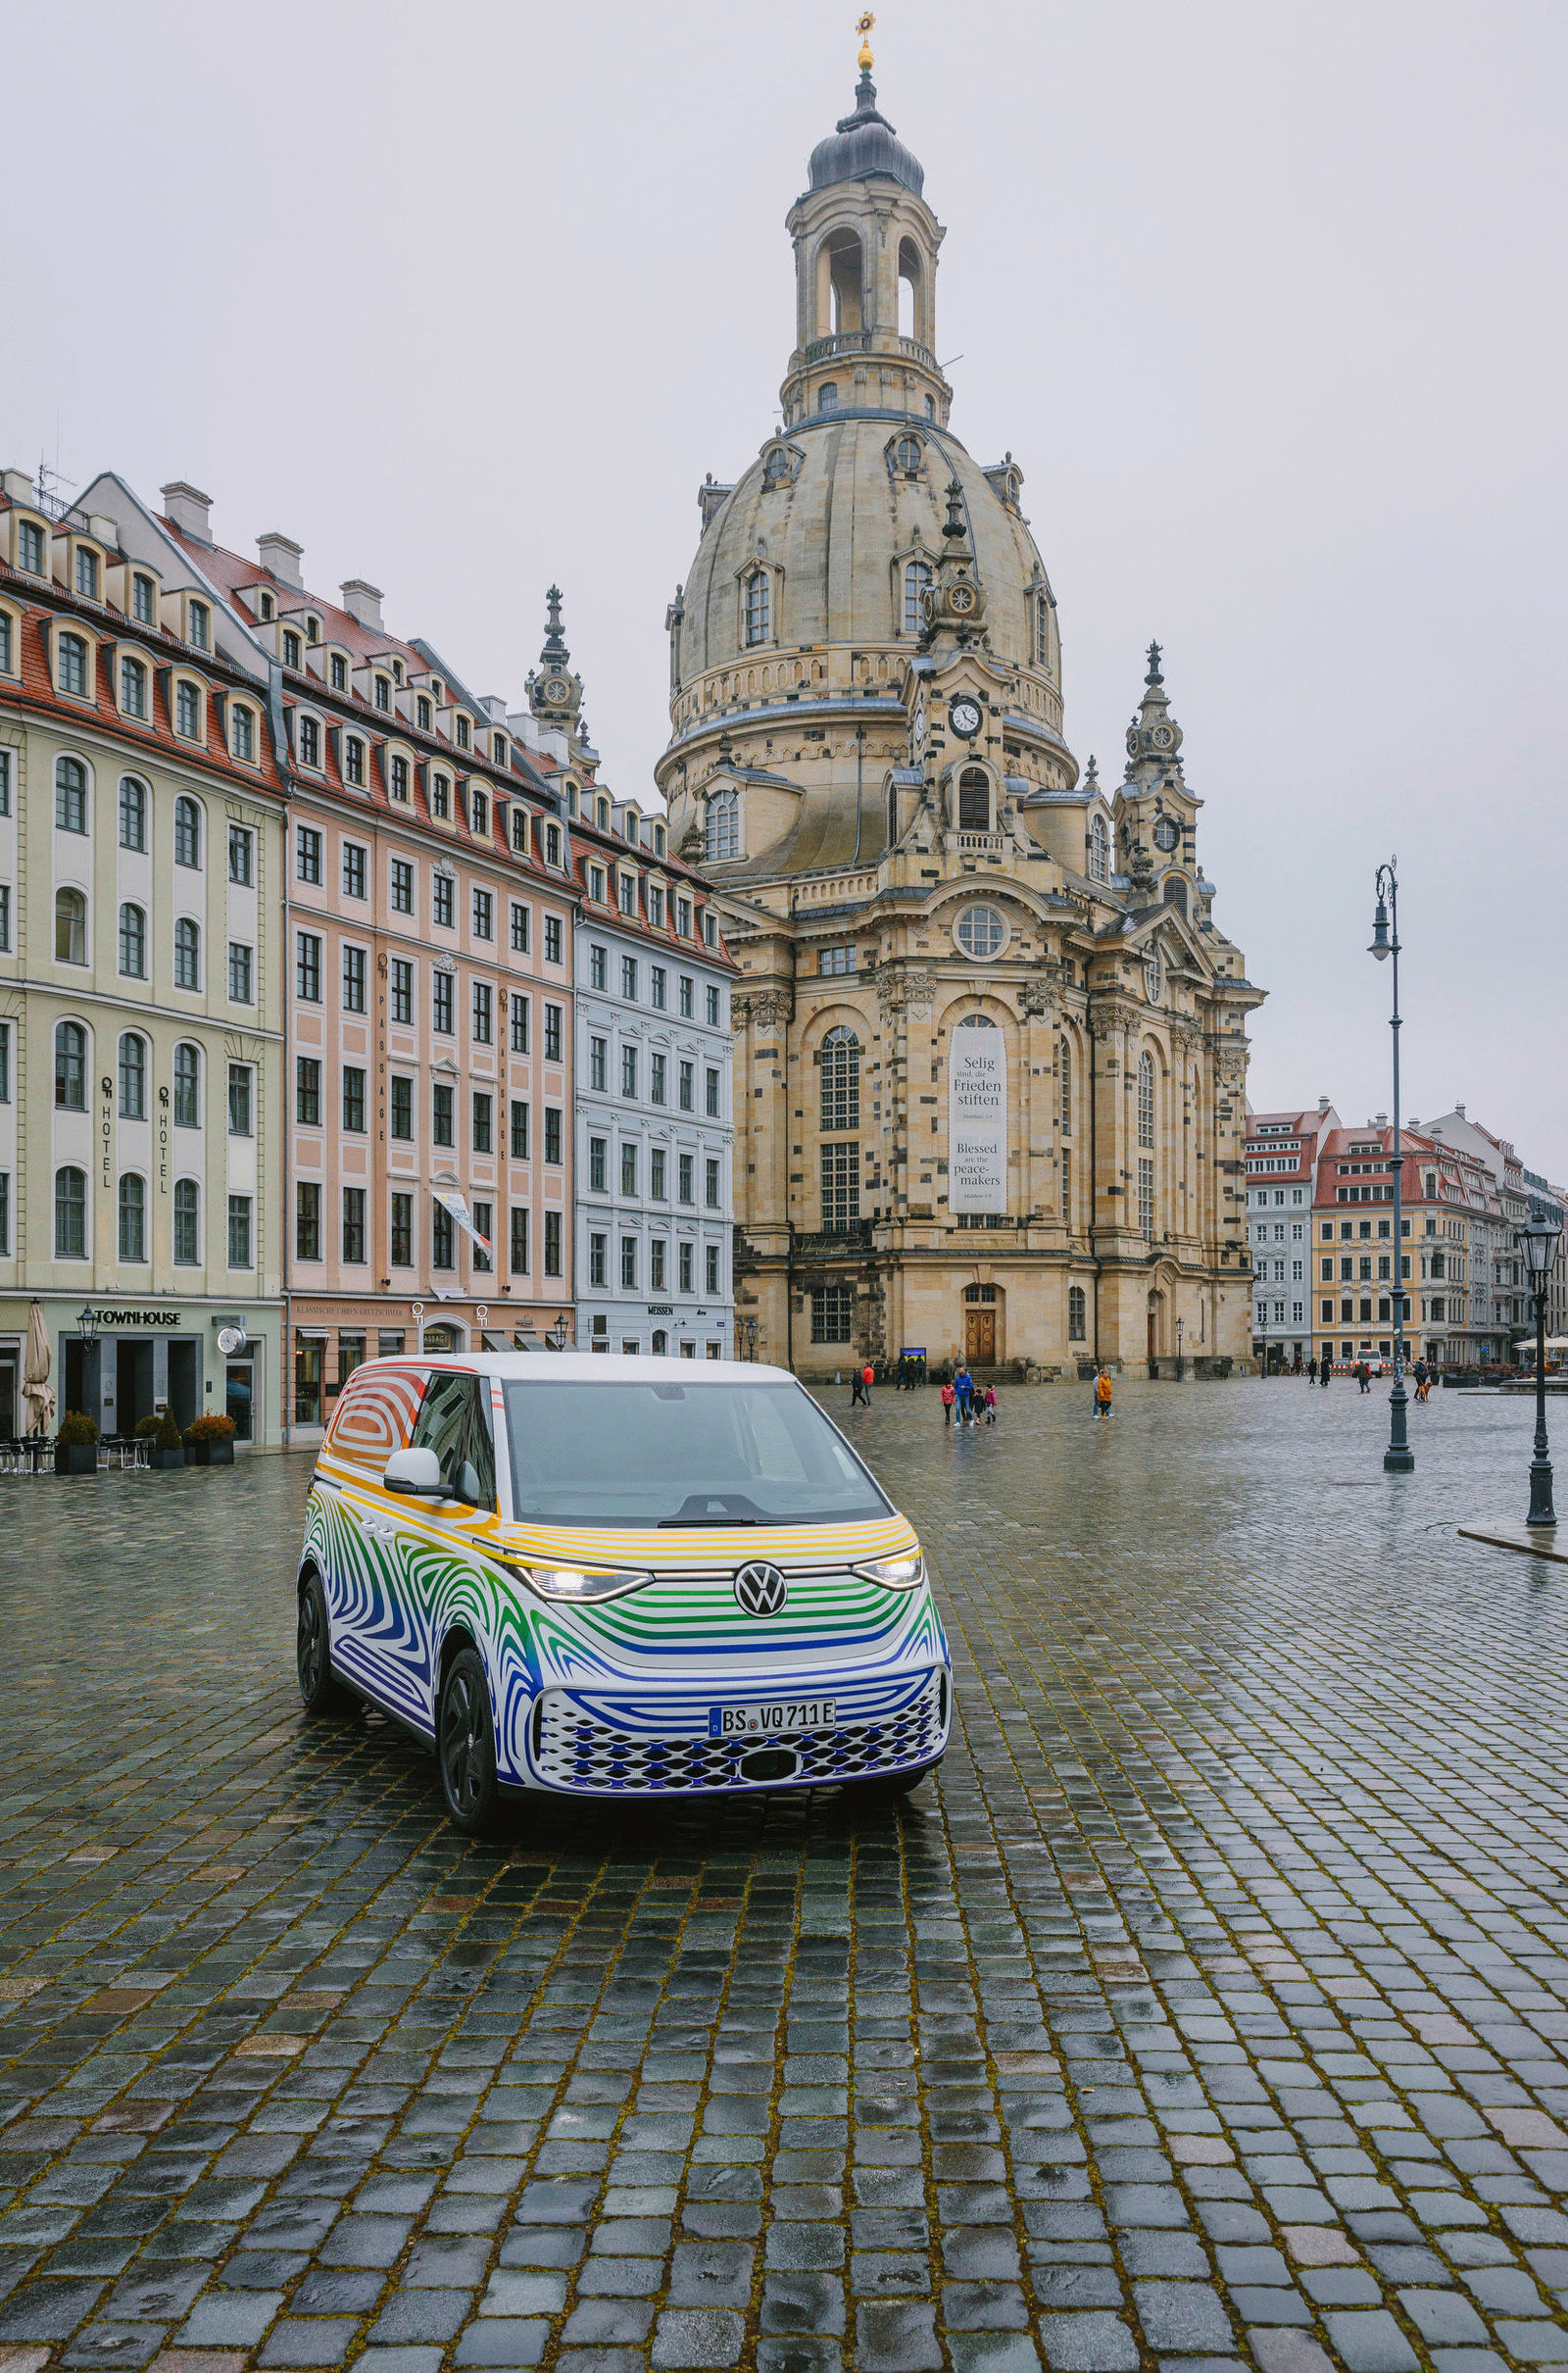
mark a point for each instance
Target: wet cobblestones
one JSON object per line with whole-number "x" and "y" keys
{"x": 1211, "y": 2005}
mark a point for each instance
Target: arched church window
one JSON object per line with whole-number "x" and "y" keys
{"x": 907, "y": 454}
{"x": 981, "y": 932}
{"x": 930, "y": 408}
{"x": 1145, "y": 1099}
{"x": 916, "y": 578}
{"x": 1065, "y": 1061}
{"x": 723, "y": 821}
{"x": 827, "y": 396}
{"x": 1077, "y": 1313}
{"x": 840, "y": 1079}
{"x": 974, "y": 800}
{"x": 1098, "y": 850}
{"x": 757, "y": 607}
{"x": 1042, "y": 631}
{"x": 776, "y": 468}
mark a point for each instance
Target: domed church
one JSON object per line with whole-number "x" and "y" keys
{"x": 991, "y": 1053}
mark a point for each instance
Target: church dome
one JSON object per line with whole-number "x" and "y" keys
{"x": 864, "y": 145}
{"x": 836, "y": 518}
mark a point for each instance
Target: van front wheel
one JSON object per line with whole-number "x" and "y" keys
{"x": 466, "y": 1744}
{"x": 320, "y": 1691}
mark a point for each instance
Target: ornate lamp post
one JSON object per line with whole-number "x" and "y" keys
{"x": 556, "y": 1336}
{"x": 751, "y": 1338}
{"x": 1398, "y": 1458}
{"x": 1537, "y": 1241}
{"x": 1178, "y": 1351}
{"x": 87, "y": 1323}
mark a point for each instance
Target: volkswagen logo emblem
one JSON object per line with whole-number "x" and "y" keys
{"x": 761, "y": 1589}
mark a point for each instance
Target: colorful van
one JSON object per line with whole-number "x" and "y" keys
{"x": 616, "y": 1577}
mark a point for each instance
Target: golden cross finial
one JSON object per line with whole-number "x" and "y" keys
{"x": 863, "y": 29}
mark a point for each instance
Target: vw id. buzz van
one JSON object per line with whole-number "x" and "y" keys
{"x": 617, "y": 1577}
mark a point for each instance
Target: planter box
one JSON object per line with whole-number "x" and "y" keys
{"x": 165, "y": 1458}
{"x": 76, "y": 1458}
{"x": 208, "y": 1454}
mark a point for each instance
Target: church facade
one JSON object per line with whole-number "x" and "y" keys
{"x": 989, "y": 1041}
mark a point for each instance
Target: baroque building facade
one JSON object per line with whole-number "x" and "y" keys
{"x": 990, "y": 1052}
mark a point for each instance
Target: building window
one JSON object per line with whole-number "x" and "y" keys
{"x": 30, "y": 547}
{"x": 712, "y": 1009}
{"x": 70, "y": 1067}
{"x": 187, "y": 1086}
{"x": 132, "y": 1068}
{"x": 758, "y": 605}
{"x": 72, "y": 665}
{"x": 685, "y": 1272}
{"x": 8, "y": 644}
{"x": 685, "y": 1076}
{"x": 628, "y": 1072}
{"x": 187, "y": 954}
{"x": 658, "y": 1065}
{"x": 402, "y": 886}
{"x": 354, "y": 1098}
{"x": 133, "y": 1218}
{"x": 519, "y": 1255}
{"x": 483, "y": 1116}
{"x": 519, "y": 919}
{"x": 401, "y": 1238}
{"x": 519, "y": 1025}
{"x": 132, "y": 813}
{"x": 551, "y": 1244}
{"x": 403, "y": 1109}
{"x": 553, "y": 1133}
{"x": 519, "y": 1129}
{"x": 133, "y": 687}
{"x": 713, "y": 1197}
{"x": 441, "y": 1114}
{"x": 712, "y": 1087}
{"x": 832, "y": 1314}
{"x": 71, "y": 927}
{"x": 552, "y": 1033}
{"x": 597, "y": 1246}
{"x": 244, "y": 734}
{"x": 308, "y": 1091}
{"x": 479, "y": 824}
{"x": 196, "y": 624}
{"x": 841, "y": 1187}
{"x": 442, "y": 1243}
{"x": 597, "y": 968}
{"x": 187, "y": 1224}
{"x": 401, "y": 977}
{"x": 981, "y": 932}
{"x": 310, "y": 742}
{"x": 71, "y": 795}
{"x": 239, "y": 1231}
{"x": 628, "y": 1172}
{"x": 723, "y": 826}
{"x": 187, "y": 832}
{"x": 484, "y": 909}
{"x": 840, "y": 1079}
{"x": 1146, "y": 1099}
{"x": 628, "y": 1262}
{"x": 70, "y": 1214}
{"x": 241, "y": 856}
{"x": 383, "y": 694}
{"x": 1098, "y": 850}
{"x": 239, "y": 974}
{"x": 1077, "y": 1313}
{"x": 398, "y": 780}
{"x": 827, "y": 400}
{"x": 710, "y": 1269}
{"x": 1145, "y": 1200}
{"x": 188, "y": 712}
{"x": 553, "y": 931}
{"x": 627, "y": 886}
{"x": 239, "y": 1100}
{"x": 916, "y": 578}
{"x": 442, "y": 902}
{"x": 974, "y": 800}
{"x": 307, "y": 854}
{"x": 354, "y": 980}
{"x": 354, "y": 762}
{"x": 354, "y": 1225}
{"x": 628, "y": 978}
{"x": 483, "y": 1014}
{"x": 353, "y": 869}
{"x": 441, "y": 1004}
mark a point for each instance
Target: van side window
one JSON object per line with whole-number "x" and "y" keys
{"x": 452, "y": 1424}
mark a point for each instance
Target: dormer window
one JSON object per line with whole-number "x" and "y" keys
{"x": 132, "y": 689}
{"x": 397, "y": 670}
{"x": 436, "y": 692}
{"x": 87, "y": 573}
{"x": 397, "y": 779}
{"x": 628, "y": 894}
{"x": 480, "y": 805}
{"x": 499, "y": 753}
{"x": 196, "y": 626}
{"x": 596, "y": 883}
{"x": 142, "y": 600}
{"x": 422, "y": 713}
{"x": 1042, "y": 630}
{"x": 384, "y": 693}
{"x": 30, "y": 547}
{"x": 188, "y": 712}
{"x": 313, "y": 630}
{"x": 292, "y": 652}
{"x": 916, "y": 581}
{"x": 338, "y": 671}
{"x": 757, "y": 607}
{"x": 462, "y": 734}
{"x": 722, "y": 827}
{"x": 519, "y": 830}
{"x": 353, "y": 761}
{"x": 441, "y": 796}
{"x": 658, "y": 840}
{"x": 552, "y": 844}
{"x": 907, "y": 454}
{"x": 71, "y": 665}
{"x": 1098, "y": 850}
{"x": 243, "y": 729}
{"x": 265, "y": 613}
{"x": 604, "y": 816}
{"x": 310, "y": 742}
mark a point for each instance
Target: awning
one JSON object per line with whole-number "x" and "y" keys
{"x": 490, "y": 1341}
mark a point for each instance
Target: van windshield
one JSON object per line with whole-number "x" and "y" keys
{"x": 681, "y": 1455}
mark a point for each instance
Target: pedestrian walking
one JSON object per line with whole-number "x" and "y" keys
{"x": 1363, "y": 1375}
{"x": 1311, "y": 1372}
{"x": 1103, "y": 1392}
{"x": 948, "y": 1397}
{"x": 868, "y": 1379}
{"x": 1325, "y": 1371}
{"x": 963, "y": 1386}
{"x": 990, "y": 1404}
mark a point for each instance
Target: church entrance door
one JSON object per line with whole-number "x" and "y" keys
{"x": 980, "y": 1338}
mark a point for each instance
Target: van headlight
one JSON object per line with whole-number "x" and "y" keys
{"x": 579, "y": 1584}
{"x": 896, "y": 1573}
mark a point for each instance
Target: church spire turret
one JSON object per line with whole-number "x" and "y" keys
{"x": 555, "y": 690}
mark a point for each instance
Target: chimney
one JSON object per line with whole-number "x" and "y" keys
{"x": 1379, "y": 1121}
{"x": 1460, "y": 1109}
{"x": 363, "y": 602}
{"x": 1411, "y": 1123}
{"x": 16, "y": 486}
{"x": 1322, "y": 1104}
{"x": 282, "y": 556}
{"x": 189, "y": 509}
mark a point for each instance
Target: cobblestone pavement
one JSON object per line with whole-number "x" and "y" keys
{"x": 1211, "y": 2005}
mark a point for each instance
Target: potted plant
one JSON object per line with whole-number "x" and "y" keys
{"x": 166, "y": 1447}
{"x": 76, "y": 1444}
{"x": 209, "y": 1442}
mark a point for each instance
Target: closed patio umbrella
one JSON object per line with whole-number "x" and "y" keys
{"x": 37, "y": 1362}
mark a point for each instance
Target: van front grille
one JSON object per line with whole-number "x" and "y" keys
{"x": 573, "y": 1751}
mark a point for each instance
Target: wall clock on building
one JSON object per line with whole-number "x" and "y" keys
{"x": 960, "y": 601}
{"x": 1167, "y": 832}
{"x": 1153, "y": 978}
{"x": 963, "y": 715}
{"x": 1163, "y": 736}
{"x": 557, "y": 688}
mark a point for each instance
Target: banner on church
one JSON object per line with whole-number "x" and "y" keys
{"x": 977, "y": 1119}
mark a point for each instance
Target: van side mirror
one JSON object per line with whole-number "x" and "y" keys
{"x": 416, "y": 1473}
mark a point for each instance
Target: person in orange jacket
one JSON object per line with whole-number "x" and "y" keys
{"x": 1103, "y": 1390}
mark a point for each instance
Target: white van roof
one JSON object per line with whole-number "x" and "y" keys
{"x": 589, "y": 1367}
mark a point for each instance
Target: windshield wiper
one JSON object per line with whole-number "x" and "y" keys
{"x": 705, "y": 1523}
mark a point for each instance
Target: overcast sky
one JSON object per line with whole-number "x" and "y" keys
{"x": 1268, "y": 302}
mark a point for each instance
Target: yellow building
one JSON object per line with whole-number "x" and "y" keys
{"x": 991, "y": 1062}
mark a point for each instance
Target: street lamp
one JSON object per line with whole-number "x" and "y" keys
{"x": 1398, "y": 1458}
{"x": 556, "y": 1336}
{"x": 751, "y": 1338}
{"x": 1537, "y": 1241}
{"x": 87, "y": 1324}
{"x": 1178, "y": 1351}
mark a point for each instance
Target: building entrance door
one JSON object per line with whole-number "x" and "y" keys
{"x": 980, "y": 1338}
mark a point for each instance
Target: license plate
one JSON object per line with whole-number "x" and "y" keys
{"x": 768, "y": 1721}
